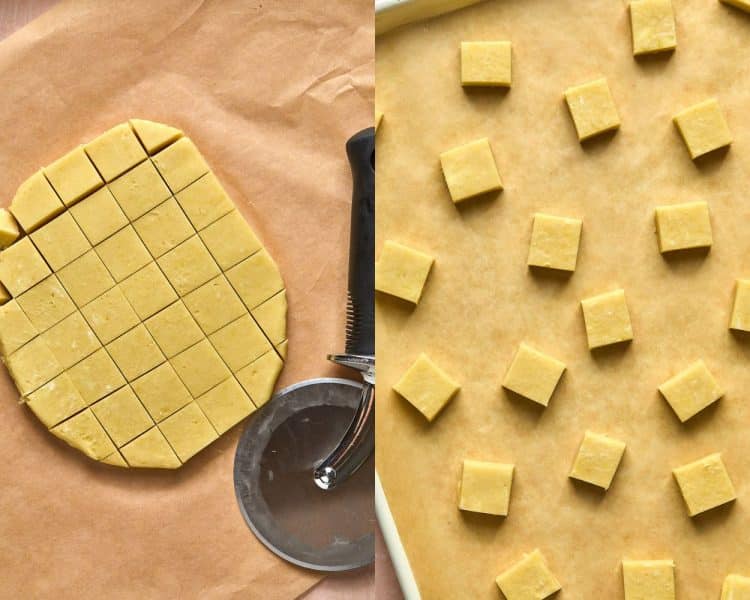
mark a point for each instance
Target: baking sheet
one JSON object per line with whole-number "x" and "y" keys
{"x": 270, "y": 92}
{"x": 481, "y": 301}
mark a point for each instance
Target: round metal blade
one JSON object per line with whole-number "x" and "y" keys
{"x": 273, "y": 479}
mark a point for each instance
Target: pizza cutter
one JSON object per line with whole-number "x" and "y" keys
{"x": 304, "y": 467}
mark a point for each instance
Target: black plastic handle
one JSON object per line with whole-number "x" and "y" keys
{"x": 360, "y": 335}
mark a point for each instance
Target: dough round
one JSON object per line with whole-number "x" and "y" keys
{"x": 144, "y": 317}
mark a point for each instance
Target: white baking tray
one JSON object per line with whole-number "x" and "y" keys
{"x": 390, "y": 14}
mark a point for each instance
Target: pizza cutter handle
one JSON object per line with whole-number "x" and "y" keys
{"x": 360, "y": 327}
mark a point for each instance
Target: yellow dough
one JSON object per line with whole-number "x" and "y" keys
{"x": 607, "y": 319}
{"x": 470, "y": 170}
{"x": 402, "y": 271}
{"x": 426, "y": 387}
{"x": 529, "y": 579}
{"x": 35, "y": 203}
{"x": 485, "y": 487}
{"x": 127, "y": 281}
{"x": 683, "y": 226}
{"x": 597, "y": 460}
{"x": 9, "y": 231}
{"x": 741, "y": 309}
{"x": 703, "y": 128}
{"x": 486, "y": 64}
{"x": 592, "y": 108}
{"x": 648, "y": 579}
{"x": 705, "y": 484}
{"x": 735, "y": 587}
{"x": 652, "y": 25}
{"x": 554, "y": 242}
{"x": 691, "y": 390}
{"x": 533, "y": 375}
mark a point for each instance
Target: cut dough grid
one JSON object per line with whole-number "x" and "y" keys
{"x": 479, "y": 300}
{"x": 146, "y": 319}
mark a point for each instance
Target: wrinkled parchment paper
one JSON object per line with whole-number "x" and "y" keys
{"x": 269, "y": 91}
{"x": 481, "y": 301}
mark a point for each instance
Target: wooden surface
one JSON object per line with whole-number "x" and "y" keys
{"x": 360, "y": 585}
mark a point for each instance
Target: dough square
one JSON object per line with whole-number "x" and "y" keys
{"x": 115, "y": 151}
{"x": 597, "y": 460}
{"x": 99, "y": 216}
{"x": 150, "y": 450}
{"x": 703, "y": 128}
{"x": 188, "y": 265}
{"x": 230, "y": 240}
{"x": 174, "y": 329}
{"x": 188, "y": 431}
{"x": 56, "y": 401}
{"x": 470, "y": 170}
{"x": 554, "y": 242}
{"x": 71, "y": 340}
{"x": 259, "y": 377}
{"x": 84, "y": 433}
{"x": 135, "y": 352}
{"x": 73, "y": 176}
{"x": 35, "y": 203}
{"x": 652, "y": 25}
{"x": 271, "y": 317}
{"x": 180, "y": 164}
{"x": 592, "y": 108}
{"x": 115, "y": 459}
{"x": 426, "y": 386}
{"x": 533, "y": 375}
{"x": 214, "y": 304}
{"x": 15, "y": 328}
{"x": 240, "y": 343}
{"x": 9, "y": 229}
{"x": 139, "y": 190}
{"x": 607, "y": 319}
{"x": 86, "y": 278}
{"x": 60, "y": 241}
{"x": 486, "y": 64}
{"x": 485, "y": 487}
{"x": 154, "y": 136}
{"x": 162, "y": 392}
{"x": 110, "y": 315}
{"x": 148, "y": 291}
{"x": 163, "y": 228}
{"x": 123, "y": 253}
{"x": 46, "y": 303}
{"x": 691, "y": 390}
{"x": 742, "y": 5}
{"x": 226, "y": 405}
{"x": 32, "y": 365}
{"x": 402, "y": 271}
{"x": 96, "y": 376}
{"x": 256, "y": 279}
{"x": 529, "y": 578}
{"x": 21, "y": 267}
{"x": 122, "y": 415}
{"x": 704, "y": 484}
{"x": 648, "y": 579}
{"x": 204, "y": 201}
{"x": 200, "y": 369}
{"x": 740, "y": 319}
{"x": 683, "y": 226}
{"x": 282, "y": 348}
{"x": 736, "y": 587}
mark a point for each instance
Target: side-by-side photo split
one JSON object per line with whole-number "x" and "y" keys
{"x": 217, "y": 216}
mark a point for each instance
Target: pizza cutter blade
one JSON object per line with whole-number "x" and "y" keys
{"x": 304, "y": 469}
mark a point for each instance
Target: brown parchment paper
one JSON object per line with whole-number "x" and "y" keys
{"x": 269, "y": 91}
{"x": 481, "y": 301}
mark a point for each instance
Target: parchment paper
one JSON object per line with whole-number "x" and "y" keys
{"x": 481, "y": 300}
{"x": 270, "y": 91}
